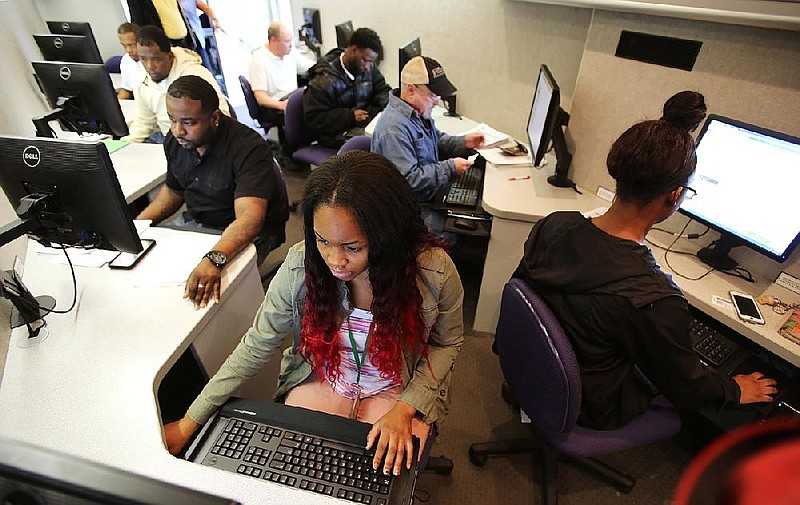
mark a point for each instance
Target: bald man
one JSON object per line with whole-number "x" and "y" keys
{"x": 273, "y": 72}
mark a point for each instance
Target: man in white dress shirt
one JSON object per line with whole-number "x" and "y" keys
{"x": 273, "y": 73}
{"x": 131, "y": 70}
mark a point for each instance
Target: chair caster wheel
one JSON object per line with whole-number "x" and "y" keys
{"x": 476, "y": 458}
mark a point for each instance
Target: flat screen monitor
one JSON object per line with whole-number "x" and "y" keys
{"x": 74, "y": 28}
{"x": 84, "y": 95}
{"x": 67, "y": 192}
{"x": 72, "y": 48}
{"x": 32, "y": 475}
{"x": 746, "y": 183}
{"x": 343, "y": 33}
{"x": 408, "y": 51}
{"x": 545, "y": 122}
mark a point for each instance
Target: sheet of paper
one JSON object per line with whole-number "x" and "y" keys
{"x": 167, "y": 264}
{"x": 491, "y": 137}
{"x": 497, "y": 157}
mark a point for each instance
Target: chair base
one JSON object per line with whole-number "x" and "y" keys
{"x": 480, "y": 452}
{"x": 439, "y": 465}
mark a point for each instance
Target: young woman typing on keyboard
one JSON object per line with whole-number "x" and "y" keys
{"x": 373, "y": 305}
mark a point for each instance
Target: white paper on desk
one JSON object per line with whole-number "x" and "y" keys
{"x": 496, "y": 156}
{"x": 491, "y": 137}
{"x": 167, "y": 264}
{"x": 92, "y": 258}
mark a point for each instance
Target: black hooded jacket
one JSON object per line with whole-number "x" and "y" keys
{"x": 620, "y": 311}
{"x": 331, "y": 96}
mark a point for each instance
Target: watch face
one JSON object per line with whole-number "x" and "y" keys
{"x": 218, "y": 258}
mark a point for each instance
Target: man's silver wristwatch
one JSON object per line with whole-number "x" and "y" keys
{"x": 217, "y": 258}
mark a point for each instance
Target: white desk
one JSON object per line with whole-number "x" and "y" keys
{"x": 700, "y": 292}
{"x": 139, "y": 168}
{"x": 89, "y": 389}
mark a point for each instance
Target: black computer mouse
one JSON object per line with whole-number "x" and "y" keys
{"x": 465, "y": 224}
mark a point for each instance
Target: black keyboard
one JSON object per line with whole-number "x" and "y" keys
{"x": 297, "y": 457}
{"x": 465, "y": 188}
{"x": 710, "y": 344}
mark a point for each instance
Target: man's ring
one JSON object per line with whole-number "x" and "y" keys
{"x": 200, "y": 286}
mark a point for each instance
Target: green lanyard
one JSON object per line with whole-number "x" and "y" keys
{"x": 354, "y": 349}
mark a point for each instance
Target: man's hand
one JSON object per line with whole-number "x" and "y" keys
{"x": 461, "y": 165}
{"x": 360, "y": 115}
{"x": 393, "y": 435}
{"x": 177, "y": 434}
{"x": 203, "y": 284}
{"x": 473, "y": 140}
{"x": 755, "y": 388}
{"x": 282, "y": 104}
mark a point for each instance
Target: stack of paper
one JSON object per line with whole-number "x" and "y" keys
{"x": 491, "y": 137}
{"x": 495, "y": 156}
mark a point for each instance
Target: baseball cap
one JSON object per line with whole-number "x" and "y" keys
{"x": 427, "y": 71}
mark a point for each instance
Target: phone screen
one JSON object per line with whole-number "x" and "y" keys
{"x": 747, "y": 306}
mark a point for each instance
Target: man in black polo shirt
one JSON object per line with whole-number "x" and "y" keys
{"x": 224, "y": 173}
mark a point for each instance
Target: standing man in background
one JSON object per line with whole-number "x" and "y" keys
{"x": 346, "y": 90}
{"x": 273, "y": 73}
{"x": 131, "y": 70}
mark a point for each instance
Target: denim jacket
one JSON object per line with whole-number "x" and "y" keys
{"x": 426, "y": 382}
{"x": 416, "y": 147}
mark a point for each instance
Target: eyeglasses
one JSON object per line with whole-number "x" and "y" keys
{"x": 689, "y": 193}
{"x": 430, "y": 95}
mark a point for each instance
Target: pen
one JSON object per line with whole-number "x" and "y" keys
{"x": 519, "y": 178}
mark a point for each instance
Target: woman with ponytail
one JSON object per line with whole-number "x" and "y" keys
{"x": 373, "y": 306}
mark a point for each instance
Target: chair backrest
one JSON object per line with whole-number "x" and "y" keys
{"x": 537, "y": 359}
{"x": 113, "y": 63}
{"x": 297, "y": 134}
{"x": 359, "y": 142}
{"x": 284, "y": 194}
{"x": 249, "y": 97}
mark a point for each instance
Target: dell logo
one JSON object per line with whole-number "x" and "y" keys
{"x": 65, "y": 73}
{"x": 31, "y": 156}
{"x": 58, "y": 42}
{"x": 65, "y": 27}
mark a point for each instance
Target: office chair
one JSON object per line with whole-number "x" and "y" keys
{"x": 359, "y": 142}
{"x": 292, "y": 207}
{"x": 112, "y": 64}
{"x": 299, "y": 136}
{"x": 543, "y": 376}
{"x": 252, "y": 105}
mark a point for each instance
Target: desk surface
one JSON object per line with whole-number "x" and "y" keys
{"x": 89, "y": 389}
{"x": 139, "y": 168}
{"x": 700, "y": 293}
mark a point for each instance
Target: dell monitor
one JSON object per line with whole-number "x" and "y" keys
{"x": 72, "y": 48}
{"x": 82, "y": 97}
{"x": 746, "y": 182}
{"x": 408, "y": 51}
{"x": 35, "y": 475}
{"x": 65, "y": 194}
{"x": 545, "y": 123}
{"x": 343, "y": 33}
{"x": 75, "y": 28}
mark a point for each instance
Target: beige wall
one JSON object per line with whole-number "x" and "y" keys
{"x": 490, "y": 49}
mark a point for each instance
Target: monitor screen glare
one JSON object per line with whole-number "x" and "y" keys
{"x": 746, "y": 182}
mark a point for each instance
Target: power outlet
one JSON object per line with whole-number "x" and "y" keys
{"x": 789, "y": 282}
{"x": 605, "y": 194}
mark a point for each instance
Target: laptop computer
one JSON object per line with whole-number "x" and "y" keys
{"x": 300, "y": 448}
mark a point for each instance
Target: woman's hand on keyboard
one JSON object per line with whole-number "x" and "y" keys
{"x": 392, "y": 432}
{"x": 755, "y": 388}
{"x": 178, "y": 433}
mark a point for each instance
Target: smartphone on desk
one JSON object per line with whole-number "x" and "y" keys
{"x": 746, "y": 308}
{"x": 126, "y": 261}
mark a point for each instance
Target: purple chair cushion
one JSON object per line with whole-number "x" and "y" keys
{"x": 359, "y": 142}
{"x": 314, "y": 154}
